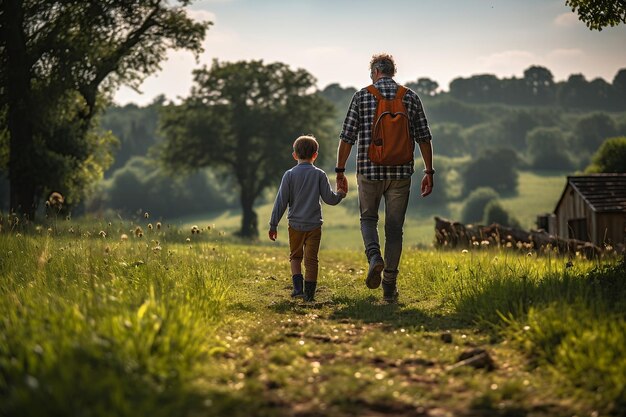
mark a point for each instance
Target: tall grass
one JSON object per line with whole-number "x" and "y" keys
{"x": 570, "y": 319}
{"x": 97, "y": 327}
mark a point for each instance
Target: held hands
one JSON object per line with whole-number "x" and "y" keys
{"x": 273, "y": 234}
{"x": 342, "y": 183}
{"x": 427, "y": 184}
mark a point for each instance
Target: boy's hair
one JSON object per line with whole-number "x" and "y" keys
{"x": 305, "y": 146}
{"x": 384, "y": 63}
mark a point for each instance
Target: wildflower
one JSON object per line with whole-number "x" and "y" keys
{"x": 484, "y": 243}
{"x": 158, "y": 225}
{"x": 194, "y": 229}
{"x": 509, "y": 245}
{"x": 150, "y": 226}
{"x": 157, "y": 248}
{"x": 55, "y": 200}
{"x": 138, "y": 231}
{"x": 124, "y": 237}
{"x": 188, "y": 240}
{"x": 475, "y": 243}
{"x": 49, "y": 230}
{"x": 464, "y": 251}
{"x": 208, "y": 228}
{"x": 109, "y": 224}
{"x": 38, "y": 229}
{"x": 146, "y": 215}
{"x": 102, "y": 233}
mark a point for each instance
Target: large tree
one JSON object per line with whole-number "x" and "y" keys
{"x": 598, "y": 14}
{"x": 60, "y": 63}
{"x": 244, "y": 117}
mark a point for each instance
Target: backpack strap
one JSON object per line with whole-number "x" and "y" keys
{"x": 401, "y": 91}
{"x": 374, "y": 91}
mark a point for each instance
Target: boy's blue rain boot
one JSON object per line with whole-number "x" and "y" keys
{"x": 309, "y": 290}
{"x": 298, "y": 282}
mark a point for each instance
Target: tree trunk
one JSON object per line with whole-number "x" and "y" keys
{"x": 19, "y": 111}
{"x": 249, "y": 219}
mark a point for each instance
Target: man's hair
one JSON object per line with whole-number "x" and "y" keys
{"x": 305, "y": 146}
{"x": 384, "y": 63}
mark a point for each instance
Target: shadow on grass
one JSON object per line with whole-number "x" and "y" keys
{"x": 372, "y": 310}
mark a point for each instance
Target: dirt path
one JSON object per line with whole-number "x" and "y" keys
{"x": 349, "y": 353}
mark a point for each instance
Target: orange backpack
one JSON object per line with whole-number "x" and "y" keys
{"x": 391, "y": 139}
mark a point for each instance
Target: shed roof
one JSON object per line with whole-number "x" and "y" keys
{"x": 605, "y": 193}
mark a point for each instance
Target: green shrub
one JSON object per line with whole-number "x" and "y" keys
{"x": 474, "y": 206}
{"x": 495, "y": 213}
{"x": 611, "y": 157}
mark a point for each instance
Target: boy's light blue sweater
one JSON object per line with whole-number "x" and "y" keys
{"x": 301, "y": 189}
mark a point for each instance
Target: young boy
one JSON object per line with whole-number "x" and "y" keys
{"x": 301, "y": 189}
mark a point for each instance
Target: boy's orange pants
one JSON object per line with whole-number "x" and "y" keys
{"x": 305, "y": 245}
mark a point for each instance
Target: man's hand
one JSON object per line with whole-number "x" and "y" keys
{"x": 342, "y": 183}
{"x": 273, "y": 234}
{"x": 427, "y": 184}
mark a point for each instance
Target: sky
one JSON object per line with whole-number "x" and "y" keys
{"x": 439, "y": 39}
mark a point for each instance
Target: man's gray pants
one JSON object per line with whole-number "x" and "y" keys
{"x": 396, "y": 194}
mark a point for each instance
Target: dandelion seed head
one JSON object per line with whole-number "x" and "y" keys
{"x": 158, "y": 225}
{"x": 102, "y": 233}
{"x": 55, "y": 200}
{"x": 150, "y": 226}
{"x": 124, "y": 237}
{"x": 146, "y": 215}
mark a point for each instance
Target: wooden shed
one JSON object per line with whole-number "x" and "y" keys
{"x": 593, "y": 208}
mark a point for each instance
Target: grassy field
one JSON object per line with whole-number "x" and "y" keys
{"x": 538, "y": 193}
{"x": 172, "y": 323}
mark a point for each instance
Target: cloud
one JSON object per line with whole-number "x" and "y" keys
{"x": 507, "y": 60}
{"x": 566, "y": 19}
{"x": 201, "y": 15}
{"x": 565, "y": 53}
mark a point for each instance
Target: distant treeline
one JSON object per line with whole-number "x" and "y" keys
{"x": 536, "y": 88}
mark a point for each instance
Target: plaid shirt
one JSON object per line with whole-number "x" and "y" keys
{"x": 358, "y": 126}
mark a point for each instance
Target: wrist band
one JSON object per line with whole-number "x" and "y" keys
{"x": 429, "y": 171}
{"x": 339, "y": 170}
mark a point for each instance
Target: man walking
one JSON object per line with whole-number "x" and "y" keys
{"x": 391, "y": 180}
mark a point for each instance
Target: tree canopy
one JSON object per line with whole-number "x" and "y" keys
{"x": 598, "y": 14}
{"x": 244, "y": 117}
{"x": 60, "y": 63}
